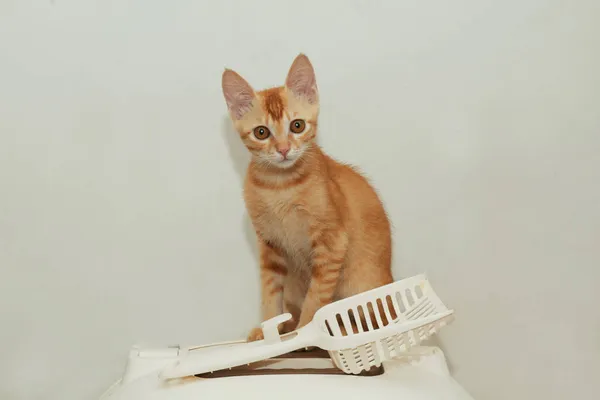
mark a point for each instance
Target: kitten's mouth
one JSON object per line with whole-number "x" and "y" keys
{"x": 286, "y": 162}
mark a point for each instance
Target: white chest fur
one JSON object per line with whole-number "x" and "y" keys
{"x": 279, "y": 218}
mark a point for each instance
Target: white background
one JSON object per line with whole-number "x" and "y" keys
{"x": 121, "y": 216}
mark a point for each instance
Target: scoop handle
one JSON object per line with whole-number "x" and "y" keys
{"x": 228, "y": 357}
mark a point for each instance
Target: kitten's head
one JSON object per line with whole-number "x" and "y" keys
{"x": 277, "y": 125}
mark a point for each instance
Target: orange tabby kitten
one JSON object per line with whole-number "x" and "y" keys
{"x": 322, "y": 230}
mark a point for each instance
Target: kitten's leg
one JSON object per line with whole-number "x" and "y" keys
{"x": 328, "y": 254}
{"x": 273, "y": 269}
{"x": 290, "y": 325}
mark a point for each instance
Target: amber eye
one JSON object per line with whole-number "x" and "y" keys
{"x": 262, "y": 132}
{"x": 297, "y": 126}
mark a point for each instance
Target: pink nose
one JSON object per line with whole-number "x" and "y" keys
{"x": 283, "y": 151}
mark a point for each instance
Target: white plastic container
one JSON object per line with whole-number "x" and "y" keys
{"x": 379, "y": 353}
{"x": 421, "y": 374}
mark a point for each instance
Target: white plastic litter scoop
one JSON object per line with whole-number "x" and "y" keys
{"x": 410, "y": 307}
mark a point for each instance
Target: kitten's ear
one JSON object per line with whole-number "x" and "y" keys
{"x": 301, "y": 79}
{"x": 238, "y": 93}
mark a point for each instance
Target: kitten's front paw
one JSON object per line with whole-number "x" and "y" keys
{"x": 287, "y": 327}
{"x": 255, "y": 334}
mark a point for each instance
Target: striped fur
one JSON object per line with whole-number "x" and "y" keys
{"x": 322, "y": 230}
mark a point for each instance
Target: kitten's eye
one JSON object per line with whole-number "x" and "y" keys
{"x": 262, "y": 132}
{"x": 297, "y": 126}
